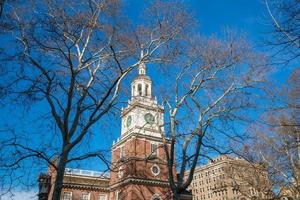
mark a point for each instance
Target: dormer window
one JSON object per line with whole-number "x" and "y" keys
{"x": 140, "y": 89}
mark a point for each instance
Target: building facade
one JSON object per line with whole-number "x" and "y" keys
{"x": 139, "y": 167}
{"x": 228, "y": 178}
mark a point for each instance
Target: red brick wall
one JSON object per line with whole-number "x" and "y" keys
{"x": 135, "y": 165}
{"x": 76, "y": 194}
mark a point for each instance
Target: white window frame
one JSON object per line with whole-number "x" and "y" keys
{"x": 63, "y": 197}
{"x": 155, "y": 174}
{"x": 84, "y": 193}
{"x": 156, "y": 152}
{"x": 155, "y": 196}
{"x": 121, "y": 171}
{"x": 122, "y": 151}
{"x": 118, "y": 195}
{"x": 103, "y": 195}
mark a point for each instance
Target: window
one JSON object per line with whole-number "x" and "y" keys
{"x": 119, "y": 195}
{"x": 155, "y": 197}
{"x": 146, "y": 90}
{"x": 154, "y": 149}
{"x": 140, "y": 89}
{"x": 122, "y": 152}
{"x": 67, "y": 196}
{"x": 85, "y": 196}
{"x": 155, "y": 170}
{"x": 121, "y": 172}
{"x": 102, "y": 197}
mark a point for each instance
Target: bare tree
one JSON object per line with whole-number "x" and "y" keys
{"x": 275, "y": 139}
{"x": 1, "y": 7}
{"x": 285, "y": 20}
{"x": 249, "y": 179}
{"x": 212, "y": 88}
{"x": 73, "y": 56}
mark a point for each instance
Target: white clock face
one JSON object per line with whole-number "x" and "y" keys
{"x": 128, "y": 121}
{"x": 149, "y": 118}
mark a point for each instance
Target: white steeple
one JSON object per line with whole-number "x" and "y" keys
{"x": 142, "y": 66}
{"x": 141, "y": 87}
{"x": 143, "y": 115}
{"x": 142, "y": 69}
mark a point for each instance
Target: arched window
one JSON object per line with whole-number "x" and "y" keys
{"x": 146, "y": 90}
{"x": 155, "y": 197}
{"x": 140, "y": 89}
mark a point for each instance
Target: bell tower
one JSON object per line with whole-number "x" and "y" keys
{"x": 139, "y": 167}
{"x": 143, "y": 115}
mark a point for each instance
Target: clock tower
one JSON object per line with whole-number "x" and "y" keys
{"x": 139, "y": 167}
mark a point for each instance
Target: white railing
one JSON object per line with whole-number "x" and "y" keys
{"x": 83, "y": 172}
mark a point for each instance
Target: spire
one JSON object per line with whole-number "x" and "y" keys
{"x": 141, "y": 85}
{"x": 142, "y": 69}
{"x": 142, "y": 66}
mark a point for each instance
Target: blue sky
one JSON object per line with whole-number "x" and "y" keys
{"x": 247, "y": 16}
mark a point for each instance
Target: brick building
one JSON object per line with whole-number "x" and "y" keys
{"x": 228, "y": 178}
{"x": 139, "y": 167}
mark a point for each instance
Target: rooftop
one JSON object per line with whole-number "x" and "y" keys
{"x": 90, "y": 173}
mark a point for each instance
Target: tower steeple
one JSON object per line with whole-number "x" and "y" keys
{"x": 143, "y": 115}
{"x": 141, "y": 87}
{"x": 142, "y": 69}
{"x": 142, "y": 66}
{"x": 138, "y": 155}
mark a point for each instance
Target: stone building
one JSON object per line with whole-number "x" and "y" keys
{"x": 139, "y": 167}
{"x": 228, "y": 178}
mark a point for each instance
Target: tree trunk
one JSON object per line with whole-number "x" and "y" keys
{"x": 175, "y": 195}
{"x": 60, "y": 175}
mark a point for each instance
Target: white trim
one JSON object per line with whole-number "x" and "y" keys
{"x": 121, "y": 171}
{"x": 103, "y": 195}
{"x": 157, "y": 148}
{"x": 122, "y": 149}
{"x": 155, "y": 174}
{"x": 66, "y": 192}
{"x": 85, "y": 193}
{"x": 118, "y": 194}
{"x": 155, "y": 196}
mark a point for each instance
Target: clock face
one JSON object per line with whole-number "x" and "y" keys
{"x": 149, "y": 118}
{"x": 128, "y": 121}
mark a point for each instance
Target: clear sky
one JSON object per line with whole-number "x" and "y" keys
{"x": 248, "y": 16}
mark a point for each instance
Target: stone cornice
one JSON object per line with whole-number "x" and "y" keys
{"x": 86, "y": 187}
{"x": 146, "y": 159}
{"x": 140, "y": 136}
{"x": 134, "y": 104}
{"x": 140, "y": 181}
